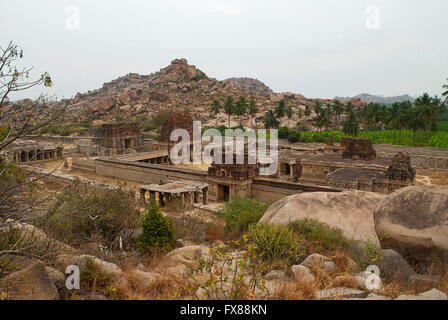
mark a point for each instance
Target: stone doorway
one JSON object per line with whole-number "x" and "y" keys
{"x": 223, "y": 192}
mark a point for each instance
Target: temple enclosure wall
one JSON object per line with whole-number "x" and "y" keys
{"x": 145, "y": 173}
{"x": 421, "y": 157}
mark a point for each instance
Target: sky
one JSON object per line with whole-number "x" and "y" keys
{"x": 318, "y": 48}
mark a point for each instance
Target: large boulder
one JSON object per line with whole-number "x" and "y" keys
{"x": 414, "y": 222}
{"x": 32, "y": 283}
{"x": 349, "y": 211}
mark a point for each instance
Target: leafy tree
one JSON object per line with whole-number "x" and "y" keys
{"x": 158, "y": 231}
{"x": 253, "y": 109}
{"x": 270, "y": 120}
{"x": 229, "y": 108}
{"x": 307, "y": 111}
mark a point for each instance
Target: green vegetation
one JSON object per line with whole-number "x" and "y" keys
{"x": 158, "y": 231}
{"x": 83, "y": 129}
{"x": 275, "y": 243}
{"x": 93, "y": 276}
{"x": 95, "y": 214}
{"x": 294, "y": 242}
{"x": 240, "y": 213}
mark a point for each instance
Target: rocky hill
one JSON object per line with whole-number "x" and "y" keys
{"x": 178, "y": 86}
{"x": 251, "y": 84}
{"x": 379, "y": 99}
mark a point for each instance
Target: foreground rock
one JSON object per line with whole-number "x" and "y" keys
{"x": 414, "y": 221}
{"x": 433, "y": 294}
{"x": 393, "y": 266}
{"x": 351, "y": 212}
{"x": 108, "y": 267}
{"x": 340, "y": 293}
{"x": 32, "y": 283}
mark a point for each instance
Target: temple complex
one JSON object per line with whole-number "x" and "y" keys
{"x": 26, "y": 151}
{"x": 120, "y": 138}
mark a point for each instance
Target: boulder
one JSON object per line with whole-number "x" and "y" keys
{"x": 275, "y": 274}
{"x": 146, "y": 278}
{"x": 302, "y": 274}
{"x": 349, "y": 211}
{"x": 340, "y": 293}
{"x": 189, "y": 256}
{"x": 108, "y": 267}
{"x": 414, "y": 222}
{"x": 393, "y": 266}
{"x": 314, "y": 259}
{"x": 32, "y": 283}
{"x": 433, "y": 294}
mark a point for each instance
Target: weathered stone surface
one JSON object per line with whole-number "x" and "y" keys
{"x": 393, "y": 266}
{"x": 275, "y": 274}
{"x": 32, "y": 283}
{"x": 189, "y": 256}
{"x": 107, "y": 267}
{"x": 302, "y": 274}
{"x": 433, "y": 294}
{"x": 352, "y": 212}
{"x": 414, "y": 221}
{"x": 314, "y": 259}
{"x": 146, "y": 278}
{"x": 340, "y": 293}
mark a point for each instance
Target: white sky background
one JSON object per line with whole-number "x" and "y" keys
{"x": 319, "y": 48}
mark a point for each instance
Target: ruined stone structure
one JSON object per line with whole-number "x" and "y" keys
{"x": 228, "y": 181}
{"x": 25, "y": 151}
{"x": 401, "y": 169}
{"x": 120, "y": 138}
{"x": 358, "y": 149}
{"x": 187, "y": 192}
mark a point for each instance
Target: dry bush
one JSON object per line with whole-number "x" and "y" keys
{"x": 296, "y": 291}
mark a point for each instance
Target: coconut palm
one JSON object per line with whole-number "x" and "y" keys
{"x": 394, "y": 117}
{"x": 351, "y": 124}
{"x": 427, "y": 111}
{"x": 270, "y": 120}
{"x": 229, "y": 107}
{"x": 240, "y": 108}
{"x": 307, "y": 111}
{"x": 253, "y": 109}
{"x": 338, "y": 109}
{"x": 215, "y": 107}
{"x": 372, "y": 115}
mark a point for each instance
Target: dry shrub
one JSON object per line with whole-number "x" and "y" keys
{"x": 215, "y": 232}
{"x": 296, "y": 291}
{"x": 343, "y": 262}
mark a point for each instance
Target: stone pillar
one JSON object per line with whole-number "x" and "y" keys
{"x": 195, "y": 197}
{"x": 152, "y": 196}
{"x": 205, "y": 196}
{"x": 161, "y": 199}
{"x": 142, "y": 197}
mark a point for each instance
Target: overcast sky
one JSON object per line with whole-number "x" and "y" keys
{"x": 319, "y": 48}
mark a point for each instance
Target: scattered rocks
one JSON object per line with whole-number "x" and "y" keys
{"x": 314, "y": 259}
{"x": 146, "y": 278}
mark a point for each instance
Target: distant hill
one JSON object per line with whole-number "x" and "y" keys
{"x": 379, "y": 99}
{"x": 251, "y": 84}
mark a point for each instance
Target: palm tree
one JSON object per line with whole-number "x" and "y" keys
{"x": 229, "y": 108}
{"x": 240, "y": 108}
{"x": 393, "y": 117}
{"x": 372, "y": 115}
{"x": 270, "y": 120}
{"x": 413, "y": 122}
{"x": 338, "y": 109}
{"x": 280, "y": 110}
{"x": 307, "y": 111}
{"x": 253, "y": 109}
{"x": 289, "y": 113}
{"x": 351, "y": 125}
{"x": 427, "y": 111}
{"x": 445, "y": 93}
{"x": 405, "y": 107}
{"x": 215, "y": 107}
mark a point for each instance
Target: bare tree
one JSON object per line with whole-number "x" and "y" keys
{"x": 17, "y": 120}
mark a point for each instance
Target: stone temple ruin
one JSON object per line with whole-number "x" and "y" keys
{"x": 353, "y": 165}
{"x": 29, "y": 151}
{"x": 120, "y": 138}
